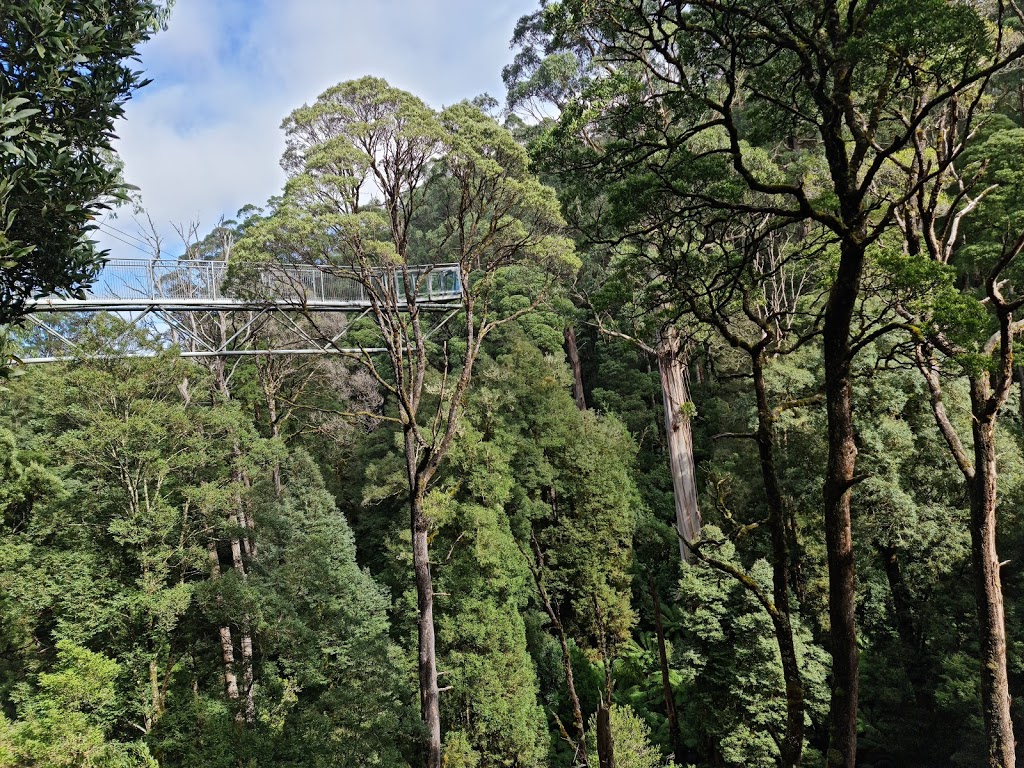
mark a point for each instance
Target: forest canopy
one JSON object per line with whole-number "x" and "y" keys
{"x": 674, "y": 417}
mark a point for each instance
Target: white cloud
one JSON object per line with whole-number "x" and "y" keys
{"x": 203, "y": 139}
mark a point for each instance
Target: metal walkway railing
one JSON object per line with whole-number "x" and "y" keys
{"x": 179, "y": 284}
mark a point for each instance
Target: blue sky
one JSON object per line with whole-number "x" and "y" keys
{"x": 203, "y": 138}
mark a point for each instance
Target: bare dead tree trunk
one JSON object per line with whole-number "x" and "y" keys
{"x": 605, "y": 743}
{"x": 572, "y": 353}
{"x": 679, "y": 437}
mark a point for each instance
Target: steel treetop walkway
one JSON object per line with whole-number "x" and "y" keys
{"x": 182, "y": 285}
{"x": 172, "y": 293}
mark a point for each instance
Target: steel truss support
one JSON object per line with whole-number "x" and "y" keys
{"x": 169, "y": 328}
{"x": 190, "y": 306}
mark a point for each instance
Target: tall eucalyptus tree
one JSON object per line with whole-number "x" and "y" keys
{"x": 380, "y": 188}
{"x": 691, "y": 94}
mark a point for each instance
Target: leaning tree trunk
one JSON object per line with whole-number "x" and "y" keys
{"x": 839, "y": 478}
{"x": 792, "y": 743}
{"x": 995, "y": 690}
{"x": 572, "y": 354}
{"x": 676, "y": 396}
{"x": 666, "y": 685}
{"x": 980, "y": 472}
{"x": 537, "y": 570}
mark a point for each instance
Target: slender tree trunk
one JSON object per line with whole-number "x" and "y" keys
{"x": 241, "y": 541}
{"x": 248, "y": 689}
{"x": 679, "y": 437}
{"x": 275, "y": 433}
{"x": 791, "y": 746}
{"x": 906, "y": 625}
{"x": 995, "y": 690}
{"x": 574, "y": 699}
{"x": 573, "y": 355}
{"x": 570, "y": 681}
{"x": 666, "y": 685}
{"x": 839, "y": 474}
{"x": 902, "y": 602}
{"x": 227, "y": 647}
{"x": 227, "y": 650}
{"x": 248, "y": 679}
{"x": 156, "y": 696}
{"x": 244, "y": 543}
{"x": 981, "y": 474}
{"x": 236, "y": 542}
{"x": 430, "y": 710}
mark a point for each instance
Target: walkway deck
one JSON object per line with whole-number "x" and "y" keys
{"x": 126, "y": 285}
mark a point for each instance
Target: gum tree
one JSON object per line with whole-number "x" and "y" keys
{"x": 380, "y": 188}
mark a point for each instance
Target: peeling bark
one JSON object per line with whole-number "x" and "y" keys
{"x": 679, "y": 437}
{"x": 227, "y": 648}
